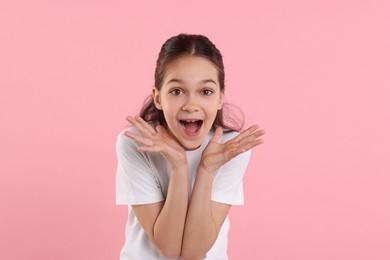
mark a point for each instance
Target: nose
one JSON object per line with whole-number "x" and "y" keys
{"x": 190, "y": 105}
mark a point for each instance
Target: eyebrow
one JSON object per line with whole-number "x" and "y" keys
{"x": 182, "y": 81}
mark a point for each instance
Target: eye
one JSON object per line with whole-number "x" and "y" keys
{"x": 207, "y": 92}
{"x": 176, "y": 92}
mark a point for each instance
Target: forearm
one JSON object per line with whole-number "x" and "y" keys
{"x": 169, "y": 226}
{"x": 200, "y": 230}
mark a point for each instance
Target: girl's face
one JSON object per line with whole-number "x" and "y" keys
{"x": 190, "y": 97}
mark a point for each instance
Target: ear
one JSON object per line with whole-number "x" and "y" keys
{"x": 221, "y": 99}
{"x": 156, "y": 98}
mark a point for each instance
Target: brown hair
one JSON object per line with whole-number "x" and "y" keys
{"x": 194, "y": 45}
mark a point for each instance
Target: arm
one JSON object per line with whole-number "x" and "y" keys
{"x": 163, "y": 222}
{"x": 205, "y": 217}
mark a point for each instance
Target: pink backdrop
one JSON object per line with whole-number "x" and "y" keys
{"x": 315, "y": 76}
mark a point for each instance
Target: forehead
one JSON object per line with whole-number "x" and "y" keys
{"x": 191, "y": 68}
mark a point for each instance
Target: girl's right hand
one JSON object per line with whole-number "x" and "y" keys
{"x": 159, "y": 140}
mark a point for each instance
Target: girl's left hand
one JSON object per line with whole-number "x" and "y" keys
{"x": 215, "y": 154}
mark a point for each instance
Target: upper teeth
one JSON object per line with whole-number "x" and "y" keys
{"x": 190, "y": 120}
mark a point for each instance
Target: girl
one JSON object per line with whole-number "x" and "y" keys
{"x": 180, "y": 167}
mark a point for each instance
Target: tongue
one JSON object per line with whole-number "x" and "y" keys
{"x": 191, "y": 128}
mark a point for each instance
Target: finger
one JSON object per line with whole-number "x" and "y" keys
{"x": 139, "y": 139}
{"x": 130, "y": 119}
{"x": 164, "y": 132}
{"x": 155, "y": 149}
{"x": 235, "y": 151}
{"x": 249, "y": 142}
{"x": 246, "y": 133}
{"x": 217, "y": 135}
{"x": 250, "y": 145}
{"x": 168, "y": 138}
{"x": 251, "y": 134}
{"x": 137, "y": 124}
{"x": 133, "y": 121}
{"x": 252, "y": 137}
{"x": 145, "y": 124}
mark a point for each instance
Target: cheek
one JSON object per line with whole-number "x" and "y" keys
{"x": 172, "y": 105}
{"x": 169, "y": 109}
{"x": 212, "y": 113}
{"x": 213, "y": 107}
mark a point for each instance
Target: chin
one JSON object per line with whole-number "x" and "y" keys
{"x": 189, "y": 146}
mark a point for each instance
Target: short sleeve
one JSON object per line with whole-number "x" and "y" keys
{"x": 228, "y": 183}
{"x": 135, "y": 181}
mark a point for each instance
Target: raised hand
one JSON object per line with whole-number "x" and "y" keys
{"x": 215, "y": 154}
{"x": 159, "y": 140}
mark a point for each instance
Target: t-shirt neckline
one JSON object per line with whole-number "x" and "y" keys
{"x": 195, "y": 153}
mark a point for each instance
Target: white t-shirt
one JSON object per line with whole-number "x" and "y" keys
{"x": 143, "y": 178}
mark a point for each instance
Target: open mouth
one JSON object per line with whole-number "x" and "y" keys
{"x": 191, "y": 127}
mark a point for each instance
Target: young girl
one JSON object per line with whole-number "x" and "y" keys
{"x": 180, "y": 167}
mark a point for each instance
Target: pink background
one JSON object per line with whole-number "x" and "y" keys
{"x": 313, "y": 74}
